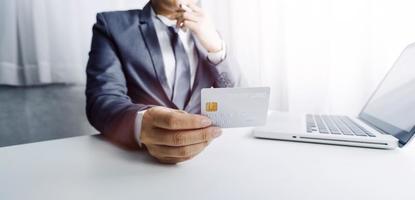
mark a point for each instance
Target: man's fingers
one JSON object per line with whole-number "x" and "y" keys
{"x": 177, "y": 120}
{"x": 182, "y": 138}
{"x": 186, "y": 17}
{"x": 190, "y": 17}
{"x": 194, "y": 7}
{"x": 168, "y": 160}
{"x": 190, "y": 24}
{"x": 177, "y": 152}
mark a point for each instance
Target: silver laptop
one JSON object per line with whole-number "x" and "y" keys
{"x": 386, "y": 121}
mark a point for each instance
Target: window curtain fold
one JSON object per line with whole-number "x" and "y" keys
{"x": 47, "y": 41}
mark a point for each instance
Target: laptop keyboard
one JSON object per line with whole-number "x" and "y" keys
{"x": 336, "y": 125}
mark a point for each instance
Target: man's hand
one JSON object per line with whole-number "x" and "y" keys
{"x": 174, "y": 136}
{"x": 194, "y": 18}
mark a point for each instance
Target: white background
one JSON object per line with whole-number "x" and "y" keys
{"x": 317, "y": 55}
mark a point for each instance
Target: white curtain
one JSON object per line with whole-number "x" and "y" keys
{"x": 317, "y": 55}
{"x": 47, "y": 41}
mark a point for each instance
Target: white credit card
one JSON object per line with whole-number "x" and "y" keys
{"x": 236, "y": 107}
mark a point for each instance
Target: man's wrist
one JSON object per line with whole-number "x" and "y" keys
{"x": 217, "y": 57}
{"x": 138, "y": 126}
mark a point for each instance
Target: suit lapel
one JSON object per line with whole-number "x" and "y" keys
{"x": 202, "y": 76}
{"x": 149, "y": 34}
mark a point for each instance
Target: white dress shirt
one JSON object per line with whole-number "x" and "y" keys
{"x": 161, "y": 24}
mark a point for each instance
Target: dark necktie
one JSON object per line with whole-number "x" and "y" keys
{"x": 181, "y": 86}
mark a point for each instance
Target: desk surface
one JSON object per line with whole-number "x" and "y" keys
{"x": 235, "y": 166}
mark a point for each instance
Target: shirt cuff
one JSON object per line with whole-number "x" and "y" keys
{"x": 217, "y": 57}
{"x": 137, "y": 127}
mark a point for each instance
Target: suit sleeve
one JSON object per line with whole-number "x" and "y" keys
{"x": 108, "y": 108}
{"x": 227, "y": 72}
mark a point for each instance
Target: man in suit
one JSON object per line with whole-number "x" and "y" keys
{"x": 145, "y": 73}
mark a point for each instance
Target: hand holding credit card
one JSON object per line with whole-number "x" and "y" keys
{"x": 236, "y": 107}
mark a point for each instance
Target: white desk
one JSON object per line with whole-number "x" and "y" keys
{"x": 235, "y": 166}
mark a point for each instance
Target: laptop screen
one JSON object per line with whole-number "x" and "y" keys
{"x": 391, "y": 108}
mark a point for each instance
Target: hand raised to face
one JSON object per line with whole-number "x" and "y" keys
{"x": 192, "y": 17}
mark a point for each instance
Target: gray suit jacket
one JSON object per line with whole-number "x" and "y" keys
{"x": 125, "y": 72}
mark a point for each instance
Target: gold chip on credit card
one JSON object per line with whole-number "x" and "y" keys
{"x": 211, "y": 106}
